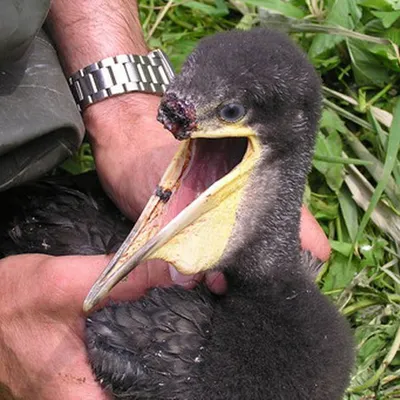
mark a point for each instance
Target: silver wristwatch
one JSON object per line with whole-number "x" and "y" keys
{"x": 121, "y": 74}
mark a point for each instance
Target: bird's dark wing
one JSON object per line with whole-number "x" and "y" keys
{"x": 60, "y": 216}
{"x": 153, "y": 345}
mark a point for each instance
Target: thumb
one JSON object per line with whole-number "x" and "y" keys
{"x": 73, "y": 276}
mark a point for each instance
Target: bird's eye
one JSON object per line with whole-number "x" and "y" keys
{"x": 232, "y": 112}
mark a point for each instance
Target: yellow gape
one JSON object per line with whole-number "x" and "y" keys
{"x": 196, "y": 238}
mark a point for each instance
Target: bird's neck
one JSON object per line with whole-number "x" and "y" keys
{"x": 267, "y": 243}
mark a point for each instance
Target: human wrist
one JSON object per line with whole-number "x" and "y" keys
{"x": 97, "y": 30}
{"x": 130, "y": 109}
{"x": 109, "y": 29}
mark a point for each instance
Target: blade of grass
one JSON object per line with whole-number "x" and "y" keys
{"x": 240, "y": 6}
{"x": 160, "y": 16}
{"x": 379, "y": 95}
{"x": 391, "y": 157}
{"x": 337, "y": 30}
{"x": 340, "y": 160}
{"x": 386, "y": 270}
{"x": 382, "y": 215}
{"x": 381, "y": 134}
{"x": 348, "y": 115}
{"x": 384, "y": 117}
{"x": 296, "y": 25}
{"x": 339, "y": 95}
{"x": 349, "y": 212}
{"x": 359, "y": 305}
{"x": 375, "y": 168}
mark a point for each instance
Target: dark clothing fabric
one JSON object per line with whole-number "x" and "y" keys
{"x": 20, "y": 20}
{"x": 40, "y": 125}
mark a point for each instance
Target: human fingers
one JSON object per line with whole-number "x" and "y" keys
{"x": 313, "y": 237}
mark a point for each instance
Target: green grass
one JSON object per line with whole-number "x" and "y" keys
{"x": 354, "y": 187}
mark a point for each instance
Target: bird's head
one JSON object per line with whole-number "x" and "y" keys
{"x": 243, "y": 81}
{"x": 242, "y": 102}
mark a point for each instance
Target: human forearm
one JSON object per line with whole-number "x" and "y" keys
{"x": 127, "y": 140}
{"x": 85, "y": 32}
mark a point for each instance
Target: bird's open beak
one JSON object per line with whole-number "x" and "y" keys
{"x": 189, "y": 220}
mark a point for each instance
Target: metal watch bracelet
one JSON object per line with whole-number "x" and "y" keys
{"x": 121, "y": 74}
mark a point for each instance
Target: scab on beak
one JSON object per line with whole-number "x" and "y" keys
{"x": 178, "y": 116}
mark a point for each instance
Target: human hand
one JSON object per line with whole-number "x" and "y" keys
{"x": 131, "y": 149}
{"x": 42, "y": 349}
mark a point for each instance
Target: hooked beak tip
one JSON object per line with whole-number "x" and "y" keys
{"x": 179, "y": 132}
{"x": 178, "y": 116}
